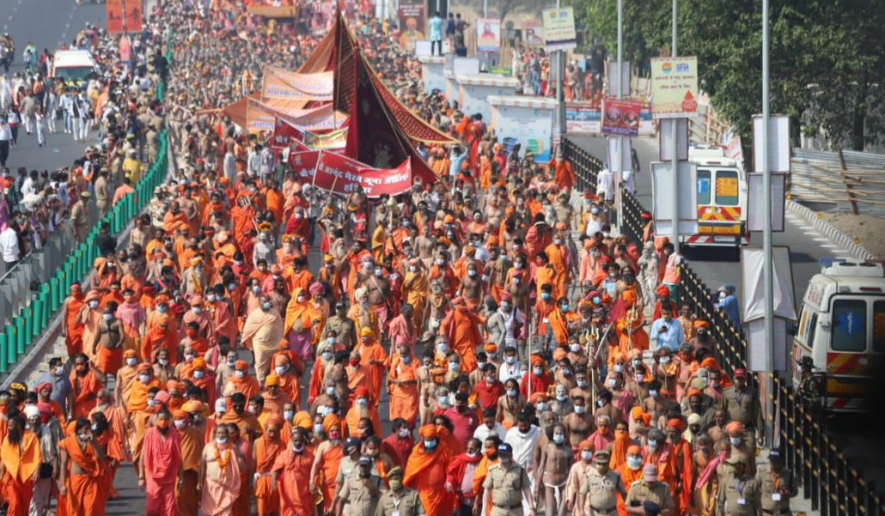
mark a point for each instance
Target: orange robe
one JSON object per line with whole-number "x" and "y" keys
{"x": 329, "y": 463}
{"x": 246, "y": 385}
{"x": 293, "y": 481}
{"x": 21, "y": 462}
{"x": 463, "y": 334}
{"x": 355, "y": 413}
{"x": 74, "y": 338}
{"x": 426, "y": 473}
{"x": 266, "y": 453}
{"x": 373, "y": 352}
{"x": 403, "y": 397}
{"x": 85, "y": 388}
{"x": 83, "y": 489}
{"x": 628, "y": 476}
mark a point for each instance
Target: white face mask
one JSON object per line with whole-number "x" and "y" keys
{"x": 586, "y": 455}
{"x": 330, "y": 390}
{"x": 240, "y": 374}
{"x": 665, "y": 359}
{"x": 144, "y": 378}
{"x": 60, "y": 370}
{"x": 735, "y": 441}
{"x": 180, "y": 423}
{"x": 443, "y": 401}
{"x": 288, "y": 415}
{"x": 404, "y": 432}
{"x": 580, "y": 409}
{"x": 198, "y": 374}
{"x": 558, "y": 438}
{"x": 131, "y": 361}
{"x": 280, "y": 370}
{"x": 221, "y": 441}
{"x": 197, "y": 310}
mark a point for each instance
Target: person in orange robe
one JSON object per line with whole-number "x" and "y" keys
{"x": 267, "y": 448}
{"x": 242, "y": 381}
{"x": 632, "y": 335}
{"x": 682, "y": 467}
{"x": 274, "y": 397}
{"x": 291, "y": 475}
{"x": 192, "y": 439}
{"x": 220, "y": 479}
{"x": 114, "y": 438}
{"x": 289, "y": 379}
{"x": 86, "y": 380}
{"x": 559, "y": 320}
{"x": 275, "y": 201}
{"x": 19, "y": 459}
{"x": 160, "y": 331}
{"x": 362, "y": 408}
{"x": 538, "y": 237}
{"x": 324, "y": 472}
{"x": 402, "y": 381}
{"x": 426, "y": 473}
{"x": 619, "y": 446}
{"x": 160, "y": 466}
{"x": 79, "y": 488}
{"x": 563, "y": 173}
{"x": 462, "y": 330}
{"x": 139, "y": 409}
{"x": 373, "y": 356}
{"x": 71, "y": 326}
{"x": 174, "y": 218}
{"x": 631, "y": 471}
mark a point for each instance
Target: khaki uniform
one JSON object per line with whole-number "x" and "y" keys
{"x": 776, "y": 491}
{"x": 657, "y": 492}
{"x": 359, "y": 499}
{"x": 102, "y": 195}
{"x": 744, "y": 407}
{"x": 600, "y": 492}
{"x": 406, "y": 503}
{"x": 80, "y": 220}
{"x": 505, "y": 489}
{"x": 738, "y": 497}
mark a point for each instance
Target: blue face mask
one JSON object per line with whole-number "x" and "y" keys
{"x": 545, "y": 296}
{"x": 596, "y": 300}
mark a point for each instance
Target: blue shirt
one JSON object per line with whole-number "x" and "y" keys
{"x": 672, "y": 338}
{"x": 729, "y": 303}
{"x": 436, "y": 24}
{"x": 61, "y": 388}
{"x": 455, "y": 164}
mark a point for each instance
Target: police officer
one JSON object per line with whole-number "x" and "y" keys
{"x": 777, "y": 485}
{"x": 649, "y": 490}
{"x": 739, "y": 493}
{"x": 506, "y": 485}
{"x": 601, "y": 488}
{"x": 360, "y": 492}
{"x": 399, "y": 501}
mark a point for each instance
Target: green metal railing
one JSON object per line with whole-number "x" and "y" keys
{"x": 32, "y": 320}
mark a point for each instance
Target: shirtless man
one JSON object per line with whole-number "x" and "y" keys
{"x": 496, "y": 268}
{"x": 110, "y": 337}
{"x": 511, "y": 403}
{"x": 425, "y": 384}
{"x": 472, "y": 287}
{"x": 425, "y": 246}
{"x": 580, "y": 423}
{"x": 377, "y": 290}
{"x": 494, "y": 213}
{"x": 552, "y": 472}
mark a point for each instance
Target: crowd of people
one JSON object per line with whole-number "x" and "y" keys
{"x": 482, "y": 345}
{"x": 116, "y": 111}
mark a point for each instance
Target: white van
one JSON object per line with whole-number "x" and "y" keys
{"x": 842, "y": 329}
{"x": 73, "y": 66}
{"x": 722, "y": 199}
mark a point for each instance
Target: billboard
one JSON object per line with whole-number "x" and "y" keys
{"x": 674, "y": 86}
{"x": 559, "y": 29}
{"x": 621, "y": 117}
{"x": 488, "y": 35}
{"x": 411, "y": 18}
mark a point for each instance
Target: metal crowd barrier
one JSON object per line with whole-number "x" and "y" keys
{"x": 834, "y": 487}
{"x": 33, "y": 318}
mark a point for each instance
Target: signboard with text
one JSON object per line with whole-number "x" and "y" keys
{"x": 339, "y": 174}
{"x": 674, "y": 86}
{"x": 559, "y": 29}
{"x": 621, "y": 117}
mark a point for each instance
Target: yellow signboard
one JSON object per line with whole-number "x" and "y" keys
{"x": 559, "y": 29}
{"x": 720, "y": 229}
{"x": 726, "y": 187}
{"x": 674, "y": 86}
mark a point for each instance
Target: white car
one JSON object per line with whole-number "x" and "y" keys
{"x": 73, "y": 66}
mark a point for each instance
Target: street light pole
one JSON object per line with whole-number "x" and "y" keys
{"x": 767, "y": 263}
{"x": 674, "y": 157}
{"x": 560, "y": 93}
{"x": 617, "y": 171}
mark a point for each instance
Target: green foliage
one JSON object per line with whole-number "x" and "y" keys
{"x": 827, "y": 57}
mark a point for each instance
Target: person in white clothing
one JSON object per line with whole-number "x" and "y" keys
{"x": 523, "y": 437}
{"x": 605, "y": 185}
{"x": 39, "y": 125}
{"x": 490, "y": 426}
{"x": 66, "y": 104}
{"x": 51, "y": 106}
{"x": 9, "y": 246}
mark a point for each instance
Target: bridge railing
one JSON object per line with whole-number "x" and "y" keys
{"x": 833, "y": 486}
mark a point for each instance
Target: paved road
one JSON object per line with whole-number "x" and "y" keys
{"x": 47, "y": 23}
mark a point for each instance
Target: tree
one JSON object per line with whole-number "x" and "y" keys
{"x": 827, "y": 57}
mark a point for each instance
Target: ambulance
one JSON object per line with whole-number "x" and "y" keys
{"x": 73, "y": 66}
{"x": 842, "y": 329}
{"x": 722, "y": 199}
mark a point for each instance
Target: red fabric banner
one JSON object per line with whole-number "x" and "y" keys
{"x": 339, "y": 174}
{"x": 285, "y": 135}
{"x": 114, "y": 12}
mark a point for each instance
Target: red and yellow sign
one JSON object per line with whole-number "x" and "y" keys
{"x": 719, "y": 213}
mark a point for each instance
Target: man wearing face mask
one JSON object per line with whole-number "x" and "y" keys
{"x": 577, "y": 477}
{"x": 426, "y": 473}
{"x": 360, "y": 493}
{"x": 555, "y": 462}
{"x": 631, "y": 472}
{"x": 362, "y": 408}
{"x": 649, "y": 489}
{"x": 398, "y": 501}
{"x": 579, "y": 422}
{"x": 160, "y": 466}
{"x": 192, "y": 442}
{"x": 327, "y": 461}
{"x": 248, "y": 424}
{"x": 463, "y": 419}
{"x": 743, "y": 405}
{"x": 61, "y": 392}
{"x": 267, "y": 448}
{"x": 71, "y": 325}
{"x": 86, "y": 381}
{"x": 729, "y": 303}
{"x": 241, "y": 381}
{"x": 740, "y": 447}
{"x": 262, "y": 333}
{"x": 291, "y": 475}
{"x": 602, "y": 487}
{"x": 667, "y": 332}
{"x": 79, "y": 474}
{"x": 507, "y": 488}
{"x": 342, "y": 326}
{"x": 604, "y": 407}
